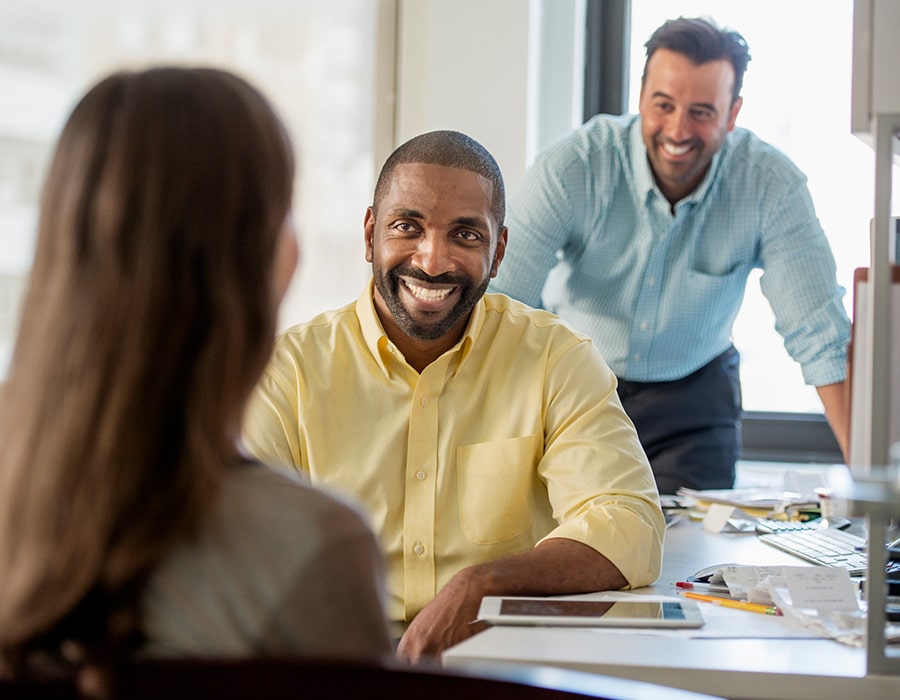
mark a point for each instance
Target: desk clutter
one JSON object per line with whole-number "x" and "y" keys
{"x": 823, "y": 599}
{"x": 737, "y": 653}
{"x": 808, "y": 526}
{"x": 798, "y": 493}
{"x": 827, "y": 598}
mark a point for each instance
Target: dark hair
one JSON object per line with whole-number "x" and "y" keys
{"x": 454, "y": 150}
{"x": 148, "y": 319}
{"x": 702, "y": 40}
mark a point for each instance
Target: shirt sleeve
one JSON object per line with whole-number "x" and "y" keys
{"x": 540, "y": 224}
{"x": 271, "y": 422}
{"x": 598, "y": 477}
{"x": 799, "y": 281}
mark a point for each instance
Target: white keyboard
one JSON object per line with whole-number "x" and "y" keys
{"x": 825, "y": 546}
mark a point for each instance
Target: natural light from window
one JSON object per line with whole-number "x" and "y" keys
{"x": 797, "y": 97}
{"x": 315, "y": 60}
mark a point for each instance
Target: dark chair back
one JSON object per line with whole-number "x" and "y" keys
{"x": 272, "y": 679}
{"x": 300, "y": 679}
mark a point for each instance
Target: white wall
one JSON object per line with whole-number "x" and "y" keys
{"x": 481, "y": 67}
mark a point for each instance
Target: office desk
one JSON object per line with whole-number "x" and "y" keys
{"x": 742, "y": 668}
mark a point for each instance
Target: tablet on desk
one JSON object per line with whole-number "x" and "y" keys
{"x": 527, "y": 610}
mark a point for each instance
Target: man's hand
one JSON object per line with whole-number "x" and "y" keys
{"x": 555, "y": 567}
{"x": 447, "y": 620}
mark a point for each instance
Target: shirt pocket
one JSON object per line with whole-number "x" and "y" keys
{"x": 496, "y": 488}
{"x": 707, "y": 290}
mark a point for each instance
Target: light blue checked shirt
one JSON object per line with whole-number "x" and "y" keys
{"x": 592, "y": 238}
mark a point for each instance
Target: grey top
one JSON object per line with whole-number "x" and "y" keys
{"x": 278, "y": 569}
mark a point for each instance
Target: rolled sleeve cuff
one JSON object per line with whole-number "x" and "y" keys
{"x": 825, "y": 371}
{"x": 629, "y": 535}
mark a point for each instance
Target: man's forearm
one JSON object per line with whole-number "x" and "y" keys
{"x": 555, "y": 567}
{"x": 837, "y": 412}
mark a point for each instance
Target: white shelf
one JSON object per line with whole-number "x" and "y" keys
{"x": 876, "y": 55}
{"x": 875, "y": 104}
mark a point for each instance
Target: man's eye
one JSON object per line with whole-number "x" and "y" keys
{"x": 468, "y": 236}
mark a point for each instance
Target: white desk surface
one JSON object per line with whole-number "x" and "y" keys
{"x": 753, "y": 666}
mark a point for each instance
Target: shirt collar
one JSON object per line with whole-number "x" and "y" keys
{"x": 473, "y": 330}
{"x": 643, "y": 175}
{"x": 383, "y": 349}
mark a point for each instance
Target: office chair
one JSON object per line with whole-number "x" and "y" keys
{"x": 278, "y": 679}
{"x": 274, "y": 679}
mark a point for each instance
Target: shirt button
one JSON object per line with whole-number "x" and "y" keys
{"x": 420, "y": 476}
{"x": 643, "y": 325}
{"x": 651, "y": 281}
{"x": 419, "y": 549}
{"x": 637, "y": 356}
{"x": 424, "y": 401}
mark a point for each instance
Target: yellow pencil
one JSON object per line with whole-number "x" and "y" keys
{"x": 737, "y": 604}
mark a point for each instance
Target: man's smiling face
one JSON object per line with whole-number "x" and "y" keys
{"x": 686, "y": 111}
{"x": 434, "y": 246}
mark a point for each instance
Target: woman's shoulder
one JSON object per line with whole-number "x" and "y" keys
{"x": 224, "y": 589}
{"x": 258, "y": 493}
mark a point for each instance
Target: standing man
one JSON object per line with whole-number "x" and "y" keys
{"x": 483, "y": 438}
{"x": 641, "y": 230}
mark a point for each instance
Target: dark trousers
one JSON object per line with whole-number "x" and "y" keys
{"x": 690, "y": 428}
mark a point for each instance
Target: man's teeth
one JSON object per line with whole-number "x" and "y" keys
{"x": 676, "y": 150}
{"x": 426, "y": 294}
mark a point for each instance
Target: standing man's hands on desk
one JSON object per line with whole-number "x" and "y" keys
{"x": 554, "y": 567}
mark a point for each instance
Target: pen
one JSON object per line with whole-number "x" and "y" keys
{"x": 698, "y": 586}
{"x": 737, "y": 604}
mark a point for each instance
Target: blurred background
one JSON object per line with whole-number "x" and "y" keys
{"x": 354, "y": 78}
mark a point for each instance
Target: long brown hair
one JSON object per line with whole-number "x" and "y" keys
{"x": 148, "y": 319}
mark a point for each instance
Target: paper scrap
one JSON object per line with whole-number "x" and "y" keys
{"x": 743, "y": 581}
{"x": 720, "y": 517}
{"x": 716, "y": 517}
{"x": 820, "y": 588}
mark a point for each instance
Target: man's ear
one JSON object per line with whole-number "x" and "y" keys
{"x": 500, "y": 251}
{"x": 735, "y": 108}
{"x": 369, "y": 228}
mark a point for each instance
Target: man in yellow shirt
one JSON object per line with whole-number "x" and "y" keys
{"x": 484, "y": 439}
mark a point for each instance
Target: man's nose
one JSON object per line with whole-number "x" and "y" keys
{"x": 677, "y": 127}
{"x": 433, "y": 255}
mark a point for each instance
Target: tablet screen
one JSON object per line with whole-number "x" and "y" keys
{"x": 588, "y": 612}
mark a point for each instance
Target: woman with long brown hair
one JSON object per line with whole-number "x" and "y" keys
{"x": 130, "y": 521}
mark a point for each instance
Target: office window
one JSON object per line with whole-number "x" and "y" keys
{"x": 319, "y": 62}
{"x": 796, "y": 96}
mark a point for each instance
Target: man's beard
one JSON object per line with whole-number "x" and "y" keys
{"x": 388, "y": 285}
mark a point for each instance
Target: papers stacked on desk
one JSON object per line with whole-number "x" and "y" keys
{"x": 757, "y": 500}
{"x": 737, "y": 510}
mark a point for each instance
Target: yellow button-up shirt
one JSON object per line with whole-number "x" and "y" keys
{"x": 514, "y": 435}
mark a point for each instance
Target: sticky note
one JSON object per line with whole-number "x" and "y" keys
{"x": 716, "y": 517}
